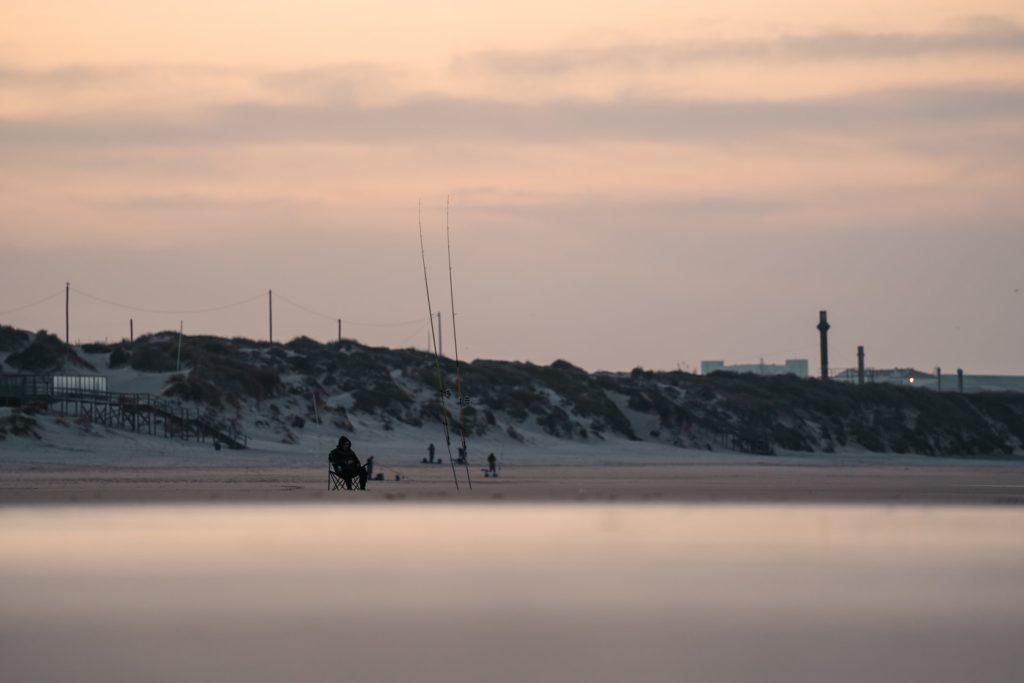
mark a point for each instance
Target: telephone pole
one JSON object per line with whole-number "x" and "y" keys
{"x": 339, "y": 330}
{"x": 181, "y": 333}
{"x": 440, "y": 348}
{"x": 270, "y": 308}
{"x": 131, "y": 330}
{"x": 67, "y": 314}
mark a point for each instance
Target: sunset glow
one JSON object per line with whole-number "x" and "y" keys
{"x": 632, "y": 184}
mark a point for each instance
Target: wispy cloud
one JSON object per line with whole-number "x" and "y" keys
{"x": 560, "y": 121}
{"x": 334, "y": 81}
{"x": 194, "y": 202}
{"x": 977, "y": 35}
{"x": 90, "y": 75}
{"x": 337, "y": 81}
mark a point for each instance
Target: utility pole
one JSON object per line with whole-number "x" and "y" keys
{"x": 960, "y": 380}
{"x": 823, "y": 328}
{"x": 270, "y": 308}
{"x": 339, "y": 330}
{"x": 938, "y": 378}
{"x": 67, "y": 314}
{"x": 440, "y": 351}
{"x": 181, "y": 331}
{"x": 131, "y": 330}
{"x": 860, "y": 365}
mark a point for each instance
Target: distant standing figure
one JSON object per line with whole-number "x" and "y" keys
{"x": 346, "y": 464}
{"x": 369, "y": 467}
{"x": 492, "y": 463}
{"x": 430, "y": 452}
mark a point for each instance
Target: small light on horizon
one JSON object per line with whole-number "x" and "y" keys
{"x": 911, "y": 380}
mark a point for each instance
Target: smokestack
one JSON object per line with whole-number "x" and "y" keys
{"x": 860, "y": 365}
{"x": 823, "y": 329}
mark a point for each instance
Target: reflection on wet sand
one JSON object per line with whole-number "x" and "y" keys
{"x": 478, "y": 592}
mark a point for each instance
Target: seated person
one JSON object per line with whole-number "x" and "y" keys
{"x": 346, "y": 465}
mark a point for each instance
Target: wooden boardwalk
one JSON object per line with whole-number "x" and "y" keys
{"x": 142, "y": 413}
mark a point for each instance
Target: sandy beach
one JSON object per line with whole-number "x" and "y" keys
{"x": 958, "y": 483}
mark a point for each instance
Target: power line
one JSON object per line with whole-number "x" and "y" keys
{"x": 161, "y": 311}
{"x": 166, "y": 311}
{"x": 404, "y": 323}
{"x": 419, "y": 330}
{"x": 299, "y": 306}
{"x": 34, "y": 303}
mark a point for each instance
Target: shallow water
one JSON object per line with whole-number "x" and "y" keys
{"x": 511, "y": 593}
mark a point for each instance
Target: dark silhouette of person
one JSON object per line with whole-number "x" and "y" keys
{"x": 462, "y": 456}
{"x": 492, "y": 463}
{"x": 346, "y": 464}
{"x": 430, "y": 452}
{"x": 369, "y": 467}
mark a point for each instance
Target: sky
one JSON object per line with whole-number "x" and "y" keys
{"x": 631, "y": 184}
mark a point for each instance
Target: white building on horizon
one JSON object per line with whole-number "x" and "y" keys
{"x": 792, "y": 366}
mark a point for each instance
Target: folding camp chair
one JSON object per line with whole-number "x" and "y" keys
{"x": 336, "y": 482}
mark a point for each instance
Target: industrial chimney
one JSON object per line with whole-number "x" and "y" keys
{"x": 823, "y": 329}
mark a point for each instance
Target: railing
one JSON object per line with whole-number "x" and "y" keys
{"x": 136, "y": 412}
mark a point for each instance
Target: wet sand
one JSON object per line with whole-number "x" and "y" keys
{"x": 967, "y": 483}
{"x": 507, "y": 593}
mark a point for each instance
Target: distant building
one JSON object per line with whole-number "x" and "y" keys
{"x": 907, "y": 376}
{"x": 792, "y": 366}
{"x": 709, "y": 366}
{"x": 911, "y": 377}
{"x": 14, "y": 388}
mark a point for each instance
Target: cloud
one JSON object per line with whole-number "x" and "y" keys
{"x": 432, "y": 119}
{"x": 82, "y": 76}
{"x": 335, "y": 81}
{"x": 339, "y": 81}
{"x": 651, "y": 211}
{"x": 978, "y": 35}
{"x": 194, "y": 202}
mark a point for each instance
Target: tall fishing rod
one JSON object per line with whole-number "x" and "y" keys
{"x": 437, "y": 356}
{"x": 455, "y": 341}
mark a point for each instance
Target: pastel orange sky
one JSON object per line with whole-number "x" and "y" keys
{"x": 645, "y": 183}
